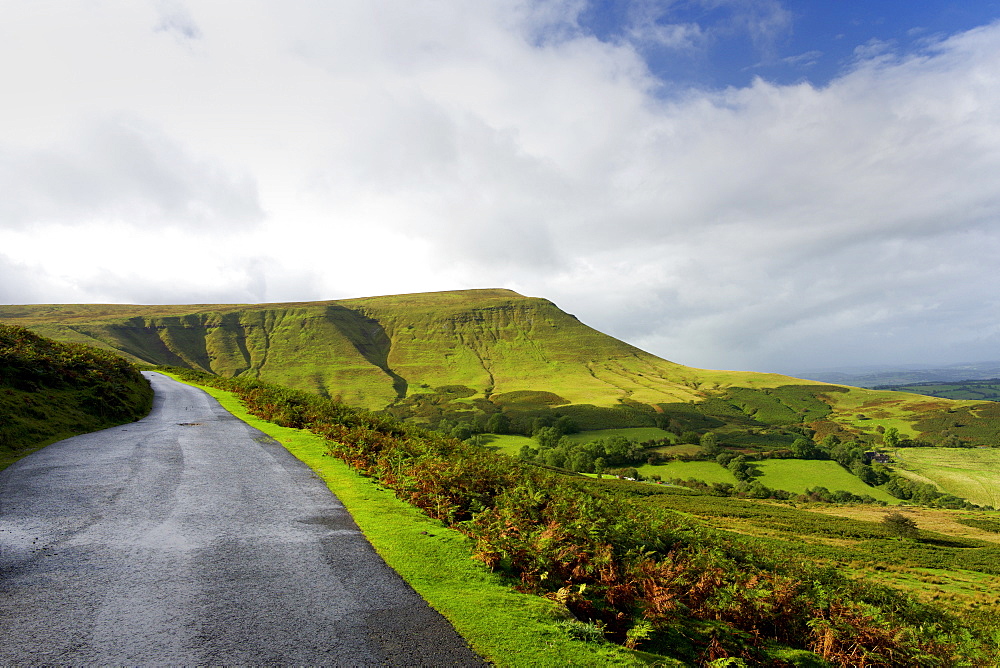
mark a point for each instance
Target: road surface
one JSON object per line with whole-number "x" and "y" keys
{"x": 190, "y": 538}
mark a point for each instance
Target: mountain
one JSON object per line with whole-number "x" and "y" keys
{"x": 473, "y": 353}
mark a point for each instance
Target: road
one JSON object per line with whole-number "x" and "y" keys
{"x": 190, "y": 538}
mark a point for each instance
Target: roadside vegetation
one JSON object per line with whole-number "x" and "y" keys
{"x": 51, "y": 390}
{"x": 640, "y": 566}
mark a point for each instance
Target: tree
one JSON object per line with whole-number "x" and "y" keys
{"x": 498, "y": 424}
{"x": 865, "y": 473}
{"x": 890, "y": 438}
{"x": 829, "y": 442}
{"x": 803, "y": 448}
{"x": 709, "y": 445}
{"x": 723, "y": 458}
{"x": 600, "y": 466}
{"x": 900, "y": 525}
{"x": 547, "y": 437}
{"x": 581, "y": 461}
{"x": 740, "y": 468}
{"x": 565, "y": 425}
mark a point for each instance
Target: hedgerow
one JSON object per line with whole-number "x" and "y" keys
{"x": 646, "y": 576}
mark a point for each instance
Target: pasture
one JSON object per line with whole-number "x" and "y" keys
{"x": 969, "y": 473}
{"x": 796, "y": 475}
{"x": 705, "y": 471}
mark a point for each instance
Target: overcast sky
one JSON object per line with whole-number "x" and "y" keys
{"x": 745, "y": 184}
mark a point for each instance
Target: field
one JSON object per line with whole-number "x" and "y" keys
{"x": 795, "y": 475}
{"x": 507, "y": 444}
{"x": 980, "y": 390}
{"x": 705, "y": 471}
{"x": 970, "y": 473}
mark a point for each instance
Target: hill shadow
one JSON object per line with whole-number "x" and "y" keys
{"x": 369, "y": 338}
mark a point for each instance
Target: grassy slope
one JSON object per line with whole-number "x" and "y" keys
{"x": 796, "y": 475}
{"x": 492, "y": 341}
{"x": 941, "y": 566}
{"x": 50, "y": 391}
{"x": 972, "y": 474}
{"x": 639, "y": 434}
{"x": 492, "y": 344}
{"x": 506, "y": 627}
{"x": 705, "y": 471}
{"x": 793, "y": 475}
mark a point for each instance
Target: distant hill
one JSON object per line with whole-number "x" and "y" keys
{"x": 979, "y": 390}
{"x": 877, "y": 377}
{"x": 466, "y": 355}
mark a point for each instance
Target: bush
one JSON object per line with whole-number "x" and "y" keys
{"x": 898, "y": 524}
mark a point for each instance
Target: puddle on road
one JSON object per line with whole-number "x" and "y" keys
{"x": 332, "y": 523}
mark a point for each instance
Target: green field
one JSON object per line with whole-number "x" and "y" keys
{"x": 796, "y": 475}
{"x": 511, "y": 444}
{"x": 970, "y": 473}
{"x": 793, "y": 475}
{"x": 508, "y": 444}
{"x": 705, "y": 471}
{"x": 979, "y": 390}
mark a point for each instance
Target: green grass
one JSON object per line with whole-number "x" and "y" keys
{"x": 705, "y": 471}
{"x": 970, "y": 473}
{"x": 506, "y": 627}
{"x": 793, "y": 475}
{"x": 507, "y": 444}
{"x": 796, "y": 475}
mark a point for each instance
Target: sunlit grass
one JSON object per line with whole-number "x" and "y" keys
{"x": 969, "y": 473}
{"x": 797, "y": 475}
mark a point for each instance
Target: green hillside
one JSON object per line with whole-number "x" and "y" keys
{"x": 466, "y": 355}
{"x": 51, "y": 390}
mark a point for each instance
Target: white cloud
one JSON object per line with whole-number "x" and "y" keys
{"x": 121, "y": 170}
{"x": 263, "y": 151}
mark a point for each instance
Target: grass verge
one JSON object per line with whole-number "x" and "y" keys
{"x": 505, "y": 627}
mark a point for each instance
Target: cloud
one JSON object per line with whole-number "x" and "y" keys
{"x": 318, "y": 150}
{"x": 121, "y": 169}
{"x": 175, "y": 18}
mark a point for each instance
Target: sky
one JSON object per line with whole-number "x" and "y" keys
{"x": 759, "y": 185}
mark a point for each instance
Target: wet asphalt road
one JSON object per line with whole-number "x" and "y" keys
{"x": 190, "y": 538}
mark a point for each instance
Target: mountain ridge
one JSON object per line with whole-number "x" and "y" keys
{"x": 467, "y": 354}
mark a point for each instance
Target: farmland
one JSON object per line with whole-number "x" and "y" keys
{"x": 970, "y": 473}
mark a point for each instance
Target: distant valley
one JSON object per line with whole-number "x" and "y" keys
{"x": 907, "y": 375}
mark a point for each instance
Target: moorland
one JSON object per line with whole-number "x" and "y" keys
{"x": 693, "y": 514}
